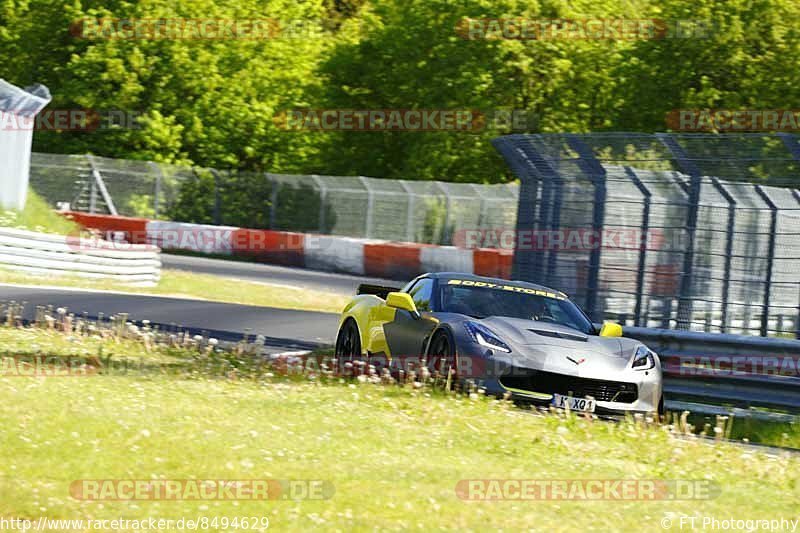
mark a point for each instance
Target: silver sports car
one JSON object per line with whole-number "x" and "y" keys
{"x": 509, "y": 337}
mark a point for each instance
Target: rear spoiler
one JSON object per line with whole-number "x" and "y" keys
{"x": 377, "y": 290}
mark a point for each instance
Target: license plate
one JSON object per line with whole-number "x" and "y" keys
{"x": 585, "y": 405}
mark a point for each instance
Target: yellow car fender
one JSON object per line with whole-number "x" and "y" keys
{"x": 370, "y": 314}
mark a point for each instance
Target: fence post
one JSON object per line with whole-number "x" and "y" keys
{"x": 370, "y": 207}
{"x": 790, "y": 142}
{"x": 529, "y": 206}
{"x": 796, "y": 194}
{"x": 726, "y": 281}
{"x": 773, "y": 228}
{"x": 273, "y": 200}
{"x": 97, "y": 179}
{"x": 217, "y": 196}
{"x": 445, "y": 236}
{"x": 645, "y": 229}
{"x": 555, "y": 225}
{"x": 93, "y": 195}
{"x": 323, "y": 197}
{"x": 157, "y": 192}
{"x": 482, "y": 209}
{"x": 593, "y": 169}
{"x": 684, "y": 317}
{"x": 410, "y": 213}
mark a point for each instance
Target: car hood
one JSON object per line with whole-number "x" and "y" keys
{"x": 543, "y": 345}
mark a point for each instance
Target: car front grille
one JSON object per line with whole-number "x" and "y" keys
{"x": 549, "y": 383}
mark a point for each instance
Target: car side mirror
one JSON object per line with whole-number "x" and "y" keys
{"x": 611, "y": 329}
{"x": 401, "y": 300}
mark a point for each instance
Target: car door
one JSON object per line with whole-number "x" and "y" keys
{"x": 406, "y": 334}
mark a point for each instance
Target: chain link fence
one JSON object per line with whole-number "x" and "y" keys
{"x": 664, "y": 230}
{"x": 660, "y": 230}
{"x": 429, "y": 212}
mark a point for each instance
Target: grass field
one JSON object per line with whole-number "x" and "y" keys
{"x": 182, "y": 284}
{"x": 393, "y": 454}
{"x": 38, "y": 216}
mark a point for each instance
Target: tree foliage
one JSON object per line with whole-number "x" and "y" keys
{"x": 212, "y": 103}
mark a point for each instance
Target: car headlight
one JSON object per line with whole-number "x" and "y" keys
{"x": 644, "y": 359}
{"x": 486, "y": 337}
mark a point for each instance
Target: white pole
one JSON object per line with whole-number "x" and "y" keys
{"x": 18, "y": 109}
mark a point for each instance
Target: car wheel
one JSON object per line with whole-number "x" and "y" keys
{"x": 442, "y": 356}
{"x": 348, "y": 342}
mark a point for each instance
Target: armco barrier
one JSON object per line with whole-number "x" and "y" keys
{"x": 722, "y": 369}
{"x": 41, "y": 253}
{"x": 375, "y": 258}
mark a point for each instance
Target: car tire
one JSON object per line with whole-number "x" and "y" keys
{"x": 348, "y": 342}
{"x": 441, "y": 355}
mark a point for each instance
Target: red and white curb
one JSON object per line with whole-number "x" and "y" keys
{"x": 367, "y": 257}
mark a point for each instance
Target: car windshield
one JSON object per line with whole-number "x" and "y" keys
{"x": 482, "y": 302}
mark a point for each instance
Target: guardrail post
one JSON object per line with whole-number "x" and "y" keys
{"x": 594, "y": 171}
{"x": 645, "y": 229}
{"x": 726, "y": 281}
{"x": 685, "y": 294}
{"x": 773, "y": 229}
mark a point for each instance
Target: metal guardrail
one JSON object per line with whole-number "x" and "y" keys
{"x": 46, "y": 254}
{"x": 735, "y": 371}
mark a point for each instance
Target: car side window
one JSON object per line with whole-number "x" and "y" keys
{"x": 421, "y": 293}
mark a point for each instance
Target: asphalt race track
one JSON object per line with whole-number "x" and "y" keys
{"x": 285, "y": 329}
{"x": 280, "y": 275}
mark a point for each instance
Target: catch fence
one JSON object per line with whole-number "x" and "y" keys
{"x": 673, "y": 231}
{"x": 431, "y": 212}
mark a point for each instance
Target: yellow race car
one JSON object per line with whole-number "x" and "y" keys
{"x": 508, "y": 337}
